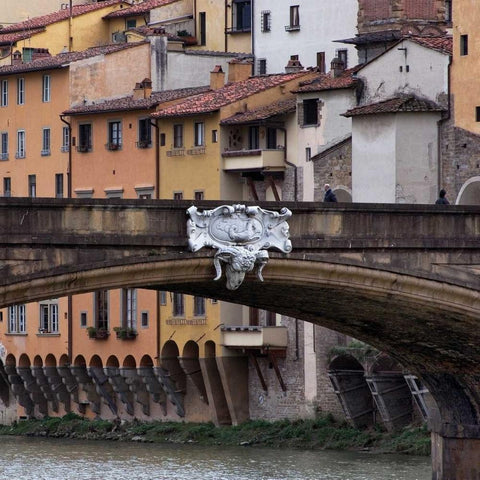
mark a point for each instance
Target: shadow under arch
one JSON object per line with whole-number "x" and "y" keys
{"x": 343, "y": 194}
{"x": 172, "y": 376}
{"x": 190, "y": 364}
{"x": 347, "y": 376}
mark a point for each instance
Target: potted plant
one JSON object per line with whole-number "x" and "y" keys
{"x": 125, "y": 333}
{"x": 92, "y": 332}
{"x": 97, "y": 333}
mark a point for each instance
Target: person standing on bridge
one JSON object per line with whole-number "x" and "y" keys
{"x": 442, "y": 199}
{"x": 329, "y": 195}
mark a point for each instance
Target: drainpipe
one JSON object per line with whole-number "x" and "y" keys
{"x": 69, "y": 172}
{"x": 290, "y": 164}
{"x": 157, "y": 159}
{"x": 69, "y": 297}
{"x": 252, "y": 29}
{"x": 226, "y": 20}
{"x": 441, "y": 122}
{"x": 70, "y": 37}
{"x": 195, "y": 16}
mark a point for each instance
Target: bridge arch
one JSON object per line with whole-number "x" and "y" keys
{"x": 469, "y": 193}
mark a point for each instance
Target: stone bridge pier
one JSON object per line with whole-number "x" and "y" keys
{"x": 402, "y": 278}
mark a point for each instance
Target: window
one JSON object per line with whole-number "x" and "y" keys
{"x": 178, "y": 305}
{"x": 7, "y": 187}
{"x": 84, "y": 137}
{"x": 342, "y": 54}
{"x": 198, "y": 306}
{"x": 271, "y": 319}
{"x": 4, "y": 146}
{"x": 59, "y": 185}
{"x": 48, "y": 317}
{"x": 463, "y": 44}
{"x": 144, "y": 133}
{"x": 198, "y": 195}
{"x": 178, "y": 195}
{"x": 308, "y": 154}
{"x": 253, "y": 138}
{"x": 271, "y": 138}
{"x": 144, "y": 319}
{"x": 46, "y": 88}
{"x": 253, "y": 319}
{"x": 310, "y": 112}
{"x": 321, "y": 62}
{"x": 27, "y": 54}
{"x": 265, "y": 20}
{"x": 20, "y": 144}
{"x": 214, "y": 136}
{"x": 4, "y": 94}
{"x": 131, "y": 23}
{"x": 241, "y": 21}
{"x": 45, "y": 142}
{"x": 20, "y": 91}
{"x": 17, "y": 319}
{"x": 83, "y": 319}
{"x": 294, "y": 19}
{"x": 129, "y": 308}
{"x": 101, "y": 309}
{"x": 448, "y": 10}
{"x": 144, "y": 192}
{"x": 162, "y": 139}
{"x": 262, "y": 66}
{"x": 32, "y": 186}
{"x": 199, "y": 132}
{"x": 177, "y": 136}
{"x": 163, "y": 297}
{"x": 65, "y": 139}
{"x": 203, "y": 28}
{"x": 114, "y": 135}
{"x": 477, "y": 114}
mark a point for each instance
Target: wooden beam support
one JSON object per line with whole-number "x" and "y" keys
{"x": 273, "y": 359}
{"x": 259, "y": 372}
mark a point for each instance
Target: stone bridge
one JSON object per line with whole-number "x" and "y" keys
{"x": 403, "y": 278}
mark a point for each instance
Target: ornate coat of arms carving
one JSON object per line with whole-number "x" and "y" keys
{"x": 242, "y": 236}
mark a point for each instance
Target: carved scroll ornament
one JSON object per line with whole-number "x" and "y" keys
{"x": 241, "y": 234}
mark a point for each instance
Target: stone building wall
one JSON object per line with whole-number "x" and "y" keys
{"x": 333, "y": 167}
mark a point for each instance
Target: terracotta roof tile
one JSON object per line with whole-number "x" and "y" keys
{"x": 442, "y": 43}
{"x": 325, "y": 81}
{"x": 130, "y": 103}
{"x": 14, "y": 37}
{"x": 262, "y": 113}
{"x": 139, "y": 8}
{"x": 44, "y": 20}
{"x": 63, "y": 59}
{"x": 404, "y": 103}
{"x": 232, "y": 92}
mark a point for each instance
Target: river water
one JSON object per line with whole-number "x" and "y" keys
{"x": 24, "y": 458}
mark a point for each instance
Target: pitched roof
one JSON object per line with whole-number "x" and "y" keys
{"x": 402, "y": 103}
{"x": 443, "y": 43}
{"x": 130, "y": 103}
{"x": 14, "y": 37}
{"x": 373, "y": 37}
{"x": 232, "y": 92}
{"x": 139, "y": 8}
{"x": 326, "y": 81}
{"x": 63, "y": 14}
{"x": 262, "y": 113}
{"x": 63, "y": 59}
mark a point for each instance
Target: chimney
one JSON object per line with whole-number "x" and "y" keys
{"x": 337, "y": 67}
{"x": 239, "y": 69}
{"x": 293, "y": 65}
{"x": 217, "y": 78}
{"x": 40, "y": 53}
{"x": 142, "y": 89}
{"x": 16, "y": 58}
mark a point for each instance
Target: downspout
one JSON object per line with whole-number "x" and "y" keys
{"x": 252, "y": 27}
{"x": 441, "y": 122}
{"x": 70, "y": 37}
{"x": 157, "y": 159}
{"x": 69, "y": 297}
{"x": 226, "y": 20}
{"x": 195, "y": 16}
{"x": 290, "y": 164}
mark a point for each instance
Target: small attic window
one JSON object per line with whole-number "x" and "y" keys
{"x": 131, "y": 23}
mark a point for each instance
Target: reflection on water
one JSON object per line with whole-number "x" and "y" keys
{"x": 52, "y": 459}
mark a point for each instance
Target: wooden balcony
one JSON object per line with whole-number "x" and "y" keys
{"x": 244, "y": 160}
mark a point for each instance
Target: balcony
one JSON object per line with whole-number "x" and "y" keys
{"x": 176, "y": 152}
{"x": 242, "y": 160}
{"x": 249, "y": 338}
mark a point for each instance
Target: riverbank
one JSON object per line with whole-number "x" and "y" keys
{"x": 319, "y": 434}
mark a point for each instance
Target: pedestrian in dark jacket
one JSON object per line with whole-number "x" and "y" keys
{"x": 442, "y": 199}
{"x": 329, "y": 195}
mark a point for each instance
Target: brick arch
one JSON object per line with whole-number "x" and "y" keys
{"x": 112, "y": 361}
{"x": 37, "y": 361}
{"x": 129, "y": 362}
{"x": 50, "y": 360}
{"x": 146, "y": 361}
{"x": 95, "y": 361}
{"x": 24, "y": 360}
{"x": 80, "y": 361}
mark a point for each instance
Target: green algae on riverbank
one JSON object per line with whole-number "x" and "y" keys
{"x": 321, "y": 433}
